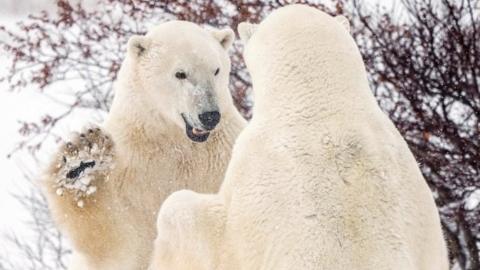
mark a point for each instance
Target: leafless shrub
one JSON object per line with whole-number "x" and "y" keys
{"x": 425, "y": 72}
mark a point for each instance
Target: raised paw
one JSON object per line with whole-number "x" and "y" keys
{"x": 85, "y": 160}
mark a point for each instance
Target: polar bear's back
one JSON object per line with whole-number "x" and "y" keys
{"x": 321, "y": 179}
{"x": 353, "y": 197}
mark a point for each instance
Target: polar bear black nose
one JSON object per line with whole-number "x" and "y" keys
{"x": 209, "y": 119}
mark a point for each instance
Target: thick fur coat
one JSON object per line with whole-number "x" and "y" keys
{"x": 319, "y": 179}
{"x": 106, "y": 185}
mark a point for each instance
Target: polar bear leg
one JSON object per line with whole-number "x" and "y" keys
{"x": 78, "y": 262}
{"x": 78, "y": 193}
{"x": 190, "y": 230}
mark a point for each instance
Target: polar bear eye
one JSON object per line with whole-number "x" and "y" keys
{"x": 181, "y": 75}
{"x": 217, "y": 71}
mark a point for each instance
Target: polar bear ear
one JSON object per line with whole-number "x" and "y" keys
{"x": 137, "y": 45}
{"x": 224, "y": 36}
{"x": 246, "y": 31}
{"x": 343, "y": 21}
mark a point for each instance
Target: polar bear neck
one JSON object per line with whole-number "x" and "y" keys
{"x": 296, "y": 88}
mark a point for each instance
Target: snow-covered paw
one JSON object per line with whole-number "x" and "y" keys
{"x": 85, "y": 160}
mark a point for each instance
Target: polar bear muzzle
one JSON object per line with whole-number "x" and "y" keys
{"x": 209, "y": 119}
{"x": 200, "y": 134}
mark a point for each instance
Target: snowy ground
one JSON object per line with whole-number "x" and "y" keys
{"x": 11, "y": 211}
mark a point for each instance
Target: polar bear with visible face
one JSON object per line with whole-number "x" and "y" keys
{"x": 319, "y": 179}
{"x": 171, "y": 126}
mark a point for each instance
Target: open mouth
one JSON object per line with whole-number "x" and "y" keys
{"x": 195, "y": 134}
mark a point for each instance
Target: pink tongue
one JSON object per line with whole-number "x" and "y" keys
{"x": 197, "y": 131}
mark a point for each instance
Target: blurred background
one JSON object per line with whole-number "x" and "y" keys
{"x": 58, "y": 60}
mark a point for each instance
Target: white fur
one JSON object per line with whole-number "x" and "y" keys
{"x": 153, "y": 156}
{"x": 320, "y": 178}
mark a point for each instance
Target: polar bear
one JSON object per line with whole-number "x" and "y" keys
{"x": 319, "y": 179}
{"x": 171, "y": 126}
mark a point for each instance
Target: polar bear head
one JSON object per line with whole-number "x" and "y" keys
{"x": 285, "y": 26}
{"x": 182, "y": 70}
{"x": 295, "y": 50}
